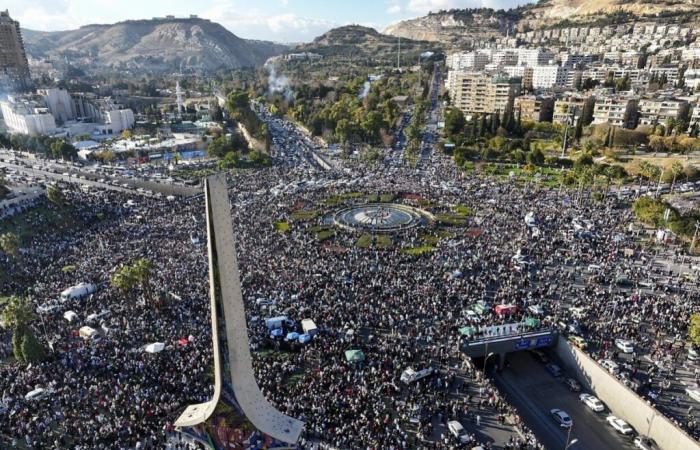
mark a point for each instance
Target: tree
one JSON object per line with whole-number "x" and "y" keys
{"x": 676, "y": 169}
{"x": 124, "y": 280}
{"x": 141, "y": 272}
{"x": 218, "y": 147}
{"x": 10, "y": 243}
{"x": 17, "y": 316}
{"x": 694, "y": 330}
{"x": 55, "y": 196}
{"x": 454, "y": 122}
{"x": 588, "y": 109}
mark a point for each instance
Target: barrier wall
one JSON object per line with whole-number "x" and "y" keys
{"x": 622, "y": 401}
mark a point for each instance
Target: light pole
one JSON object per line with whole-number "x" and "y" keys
{"x": 569, "y": 444}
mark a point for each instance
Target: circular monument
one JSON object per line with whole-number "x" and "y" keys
{"x": 381, "y": 217}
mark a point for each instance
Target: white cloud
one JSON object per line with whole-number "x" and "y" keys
{"x": 394, "y": 7}
{"x": 253, "y": 23}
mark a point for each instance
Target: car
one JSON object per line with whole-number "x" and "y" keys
{"x": 693, "y": 354}
{"x": 37, "y": 394}
{"x": 458, "y": 431}
{"x": 578, "y": 341}
{"x": 592, "y": 402}
{"x": 553, "y": 369}
{"x": 619, "y": 425}
{"x": 561, "y": 417}
{"x": 625, "y": 345}
{"x": 610, "y": 366}
{"x": 572, "y": 384}
{"x": 645, "y": 443}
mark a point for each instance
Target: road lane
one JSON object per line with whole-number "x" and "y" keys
{"x": 534, "y": 392}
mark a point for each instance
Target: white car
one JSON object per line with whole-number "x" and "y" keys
{"x": 610, "y": 366}
{"x": 625, "y": 345}
{"x": 592, "y": 402}
{"x": 619, "y": 425}
{"x": 458, "y": 431}
{"x": 561, "y": 417}
{"x": 37, "y": 394}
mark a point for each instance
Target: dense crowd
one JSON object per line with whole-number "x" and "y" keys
{"x": 400, "y": 310}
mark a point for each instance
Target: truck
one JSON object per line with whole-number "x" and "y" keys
{"x": 309, "y": 327}
{"x": 78, "y": 291}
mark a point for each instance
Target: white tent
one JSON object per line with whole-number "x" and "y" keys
{"x": 70, "y": 316}
{"x": 156, "y": 347}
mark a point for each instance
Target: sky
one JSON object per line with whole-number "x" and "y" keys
{"x": 275, "y": 20}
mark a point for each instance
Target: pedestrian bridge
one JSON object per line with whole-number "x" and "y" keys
{"x": 502, "y": 345}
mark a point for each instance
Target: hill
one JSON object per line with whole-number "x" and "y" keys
{"x": 461, "y": 27}
{"x": 157, "y": 45}
{"x": 457, "y": 26}
{"x": 355, "y": 41}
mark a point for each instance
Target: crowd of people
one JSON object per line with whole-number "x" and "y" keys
{"x": 399, "y": 309}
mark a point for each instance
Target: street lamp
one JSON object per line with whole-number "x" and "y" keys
{"x": 569, "y": 444}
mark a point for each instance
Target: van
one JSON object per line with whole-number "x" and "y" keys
{"x": 409, "y": 375}
{"x": 309, "y": 327}
{"x": 78, "y": 291}
{"x": 37, "y": 394}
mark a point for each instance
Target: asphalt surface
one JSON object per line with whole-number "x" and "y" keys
{"x": 534, "y": 392}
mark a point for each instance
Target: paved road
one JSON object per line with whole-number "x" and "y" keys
{"x": 90, "y": 180}
{"x": 533, "y": 391}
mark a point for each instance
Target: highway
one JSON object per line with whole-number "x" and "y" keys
{"x": 534, "y": 392}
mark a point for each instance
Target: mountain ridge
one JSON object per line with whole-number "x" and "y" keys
{"x": 156, "y": 45}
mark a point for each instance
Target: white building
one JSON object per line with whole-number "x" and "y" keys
{"x": 59, "y": 103}
{"x": 27, "y": 118}
{"x": 546, "y": 77}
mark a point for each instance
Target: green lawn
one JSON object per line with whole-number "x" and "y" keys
{"x": 451, "y": 219}
{"x": 462, "y": 210}
{"x": 378, "y": 241}
{"x": 386, "y": 198}
{"x": 304, "y": 214}
{"x": 416, "y": 251}
{"x": 282, "y": 226}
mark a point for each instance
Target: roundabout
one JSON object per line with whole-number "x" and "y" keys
{"x": 381, "y": 217}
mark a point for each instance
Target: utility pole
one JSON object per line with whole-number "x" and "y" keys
{"x": 695, "y": 237}
{"x": 398, "y": 56}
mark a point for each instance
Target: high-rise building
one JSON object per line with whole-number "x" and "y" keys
{"x": 14, "y": 67}
{"x": 479, "y": 93}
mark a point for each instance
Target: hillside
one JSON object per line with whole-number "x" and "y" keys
{"x": 355, "y": 41}
{"x": 548, "y": 12}
{"x": 157, "y": 45}
{"x": 457, "y": 26}
{"x": 461, "y": 27}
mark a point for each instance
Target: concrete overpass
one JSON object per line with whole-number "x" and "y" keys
{"x": 238, "y": 415}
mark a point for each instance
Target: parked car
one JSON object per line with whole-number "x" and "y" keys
{"x": 578, "y": 341}
{"x": 592, "y": 402}
{"x": 561, "y": 417}
{"x": 619, "y": 425}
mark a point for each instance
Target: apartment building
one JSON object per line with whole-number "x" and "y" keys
{"x": 655, "y": 111}
{"x": 534, "y": 108}
{"x": 616, "y": 110}
{"x": 547, "y": 77}
{"x": 479, "y": 93}
{"x": 568, "y": 108}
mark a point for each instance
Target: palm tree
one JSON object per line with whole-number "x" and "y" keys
{"x": 124, "y": 279}
{"x": 676, "y": 169}
{"x": 141, "y": 271}
{"x": 10, "y": 243}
